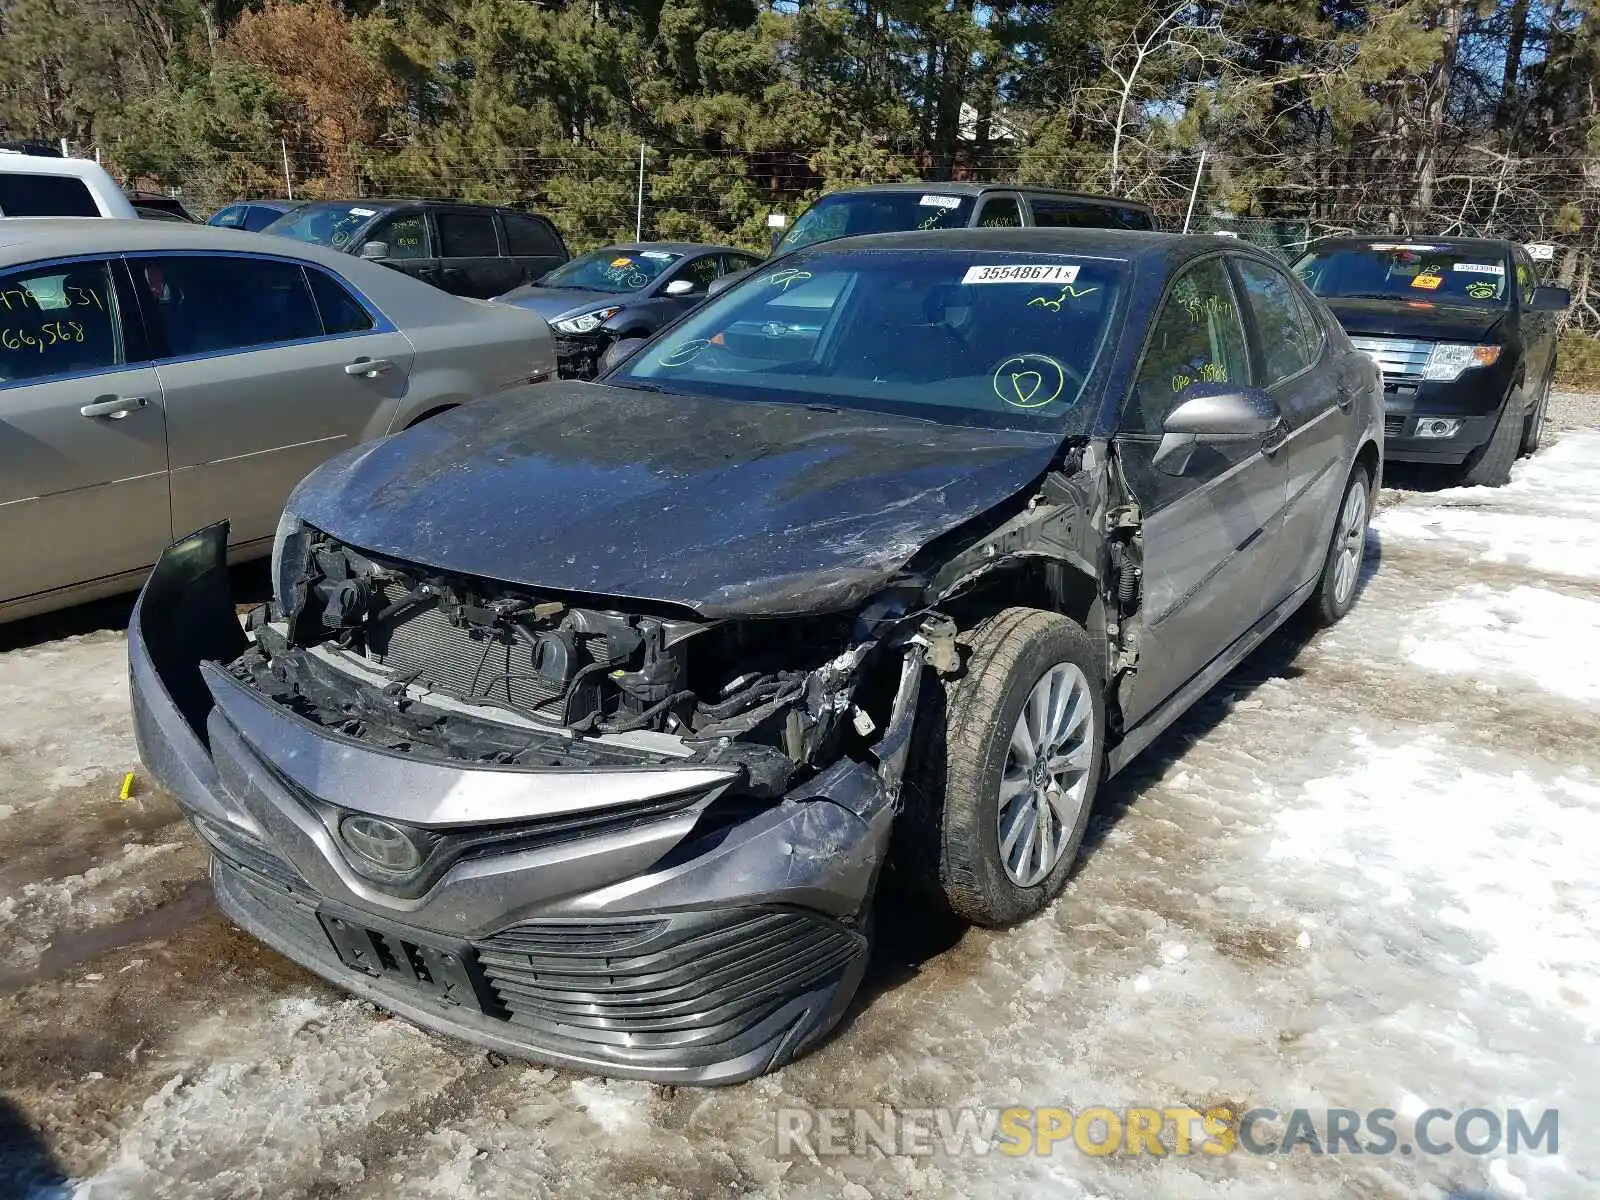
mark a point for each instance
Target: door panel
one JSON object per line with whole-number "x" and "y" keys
{"x": 248, "y": 422}
{"x": 82, "y": 495}
{"x": 1538, "y": 329}
{"x": 1209, "y": 532}
{"x": 1314, "y": 390}
{"x": 470, "y": 259}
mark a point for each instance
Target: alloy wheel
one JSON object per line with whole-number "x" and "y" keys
{"x": 1045, "y": 780}
{"x": 1350, "y": 542}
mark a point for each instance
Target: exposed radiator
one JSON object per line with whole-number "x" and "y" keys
{"x": 467, "y": 662}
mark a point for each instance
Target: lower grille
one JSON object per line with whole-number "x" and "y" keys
{"x": 1398, "y": 358}
{"x": 703, "y": 985}
{"x": 693, "y": 979}
{"x": 1394, "y": 426}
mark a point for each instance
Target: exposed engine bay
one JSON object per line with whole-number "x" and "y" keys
{"x": 423, "y": 662}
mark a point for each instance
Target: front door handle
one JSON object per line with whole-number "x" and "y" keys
{"x": 369, "y": 368}
{"x": 1274, "y": 438}
{"x": 115, "y": 407}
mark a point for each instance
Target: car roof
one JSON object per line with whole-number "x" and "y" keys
{"x": 64, "y": 237}
{"x": 388, "y": 202}
{"x": 674, "y": 248}
{"x": 969, "y": 188}
{"x": 1130, "y": 244}
{"x": 1354, "y": 241}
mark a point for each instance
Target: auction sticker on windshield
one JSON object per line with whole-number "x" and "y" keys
{"x": 940, "y": 201}
{"x": 1479, "y": 268}
{"x": 1022, "y": 273}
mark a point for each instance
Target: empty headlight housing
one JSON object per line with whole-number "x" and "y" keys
{"x": 588, "y": 322}
{"x": 1449, "y": 359}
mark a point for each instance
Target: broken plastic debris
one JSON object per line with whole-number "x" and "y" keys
{"x": 127, "y": 786}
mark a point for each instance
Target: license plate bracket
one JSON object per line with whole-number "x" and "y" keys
{"x": 446, "y": 973}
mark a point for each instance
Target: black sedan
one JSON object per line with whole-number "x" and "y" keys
{"x": 624, "y": 291}
{"x": 586, "y": 720}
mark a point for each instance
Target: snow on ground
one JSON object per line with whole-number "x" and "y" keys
{"x": 1543, "y": 520}
{"x": 1360, "y": 874}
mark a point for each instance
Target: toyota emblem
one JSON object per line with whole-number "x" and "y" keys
{"x": 381, "y": 843}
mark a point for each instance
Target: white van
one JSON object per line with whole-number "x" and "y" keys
{"x": 33, "y": 185}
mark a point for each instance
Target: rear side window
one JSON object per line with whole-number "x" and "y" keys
{"x": 1000, "y": 212}
{"x": 214, "y": 303}
{"x": 528, "y": 237}
{"x": 255, "y": 218}
{"x": 1055, "y": 213}
{"x": 232, "y": 217}
{"x": 466, "y": 235}
{"x": 1290, "y": 336}
{"x": 58, "y": 320}
{"x": 341, "y": 312}
{"x": 45, "y": 196}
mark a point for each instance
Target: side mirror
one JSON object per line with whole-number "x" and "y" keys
{"x": 375, "y": 250}
{"x": 619, "y": 350}
{"x": 723, "y": 282}
{"x": 1550, "y": 299}
{"x": 679, "y": 287}
{"x": 1217, "y": 412}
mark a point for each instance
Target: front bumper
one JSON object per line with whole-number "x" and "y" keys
{"x": 578, "y": 354}
{"x": 1474, "y": 399}
{"x": 653, "y": 945}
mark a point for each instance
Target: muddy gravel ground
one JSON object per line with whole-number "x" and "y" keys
{"x": 1361, "y": 874}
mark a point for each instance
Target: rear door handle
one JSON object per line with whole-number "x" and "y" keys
{"x": 115, "y": 407}
{"x": 371, "y": 368}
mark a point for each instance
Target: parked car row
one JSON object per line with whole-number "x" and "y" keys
{"x": 587, "y": 718}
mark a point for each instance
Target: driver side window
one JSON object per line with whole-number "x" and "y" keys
{"x": 406, "y": 236}
{"x": 700, "y": 272}
{"x": 1196, "y": 339}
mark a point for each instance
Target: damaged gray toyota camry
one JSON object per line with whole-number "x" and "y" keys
{"x": 585, "y": 721}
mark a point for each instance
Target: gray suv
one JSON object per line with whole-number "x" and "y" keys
{"x": 585, "y": 722}
{"x": 903, "y": 207}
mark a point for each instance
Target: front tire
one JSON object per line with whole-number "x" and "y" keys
{"x": 1490, "y": 464}
{"x": 1533, "y": 427}
{"x": 1004, "y": 770}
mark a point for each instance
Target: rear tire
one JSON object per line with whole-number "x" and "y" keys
{"x": 1341, "y": 565}
{"x": 1490, "y": 464}
{"x": 1004, "y": 769}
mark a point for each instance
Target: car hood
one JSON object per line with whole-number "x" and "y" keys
{"x": 554, "y": 303}
{"x": 1414, "y": 319}
{"x": 724, "y": 507}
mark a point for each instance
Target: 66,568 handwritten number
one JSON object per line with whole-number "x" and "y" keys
{"x": 51, "y": 333}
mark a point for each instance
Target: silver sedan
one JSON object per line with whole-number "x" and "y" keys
{"x": 158, "y": 377}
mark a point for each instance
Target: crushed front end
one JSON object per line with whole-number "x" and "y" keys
{"x": 619, "y": 838}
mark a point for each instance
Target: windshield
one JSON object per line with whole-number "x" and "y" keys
{"x": 323, "y": 224}
{"x": 1408, "y": 271}
{"x": 960, "y": 337}
{"x": 850, "y": 213}
{"x": 612, "y": 270}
